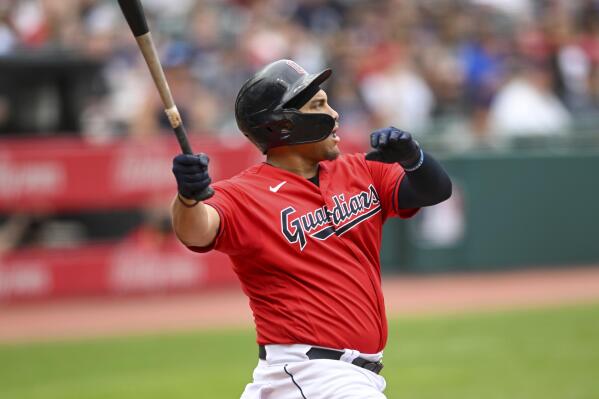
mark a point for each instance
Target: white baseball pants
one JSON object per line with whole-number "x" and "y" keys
{"x": 287, "y": 373}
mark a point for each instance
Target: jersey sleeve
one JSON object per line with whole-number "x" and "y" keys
{"x": 231, "y": 238}
{"x": 387, "y": 179}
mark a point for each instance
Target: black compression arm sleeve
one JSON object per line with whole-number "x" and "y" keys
{"x": 427, "y": 185}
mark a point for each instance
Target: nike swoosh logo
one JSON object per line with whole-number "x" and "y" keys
{"x": 277, "y": 187}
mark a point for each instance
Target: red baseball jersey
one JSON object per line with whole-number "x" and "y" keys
{"x": 307, "y": 256}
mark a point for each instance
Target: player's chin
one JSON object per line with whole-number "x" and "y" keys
{"x": 333, "y": 153}
{"x": 333, "y": 150}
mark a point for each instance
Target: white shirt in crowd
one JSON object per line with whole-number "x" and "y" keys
{"x": 521, "y": 108}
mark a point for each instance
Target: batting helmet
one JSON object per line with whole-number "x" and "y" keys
{"x": 267, "y": 106}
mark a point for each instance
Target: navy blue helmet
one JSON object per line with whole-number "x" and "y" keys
{"x": 267, "y": 106}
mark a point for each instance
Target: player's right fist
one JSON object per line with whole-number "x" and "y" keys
{"x": 191, "y": 173}
{"x": 393, "y": 145}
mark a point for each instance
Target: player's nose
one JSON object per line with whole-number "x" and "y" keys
{"x": 334, "y": 114}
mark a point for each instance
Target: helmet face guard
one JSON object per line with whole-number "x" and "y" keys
{"x": 289, "y": 127}
{"x": 267, "y": 106}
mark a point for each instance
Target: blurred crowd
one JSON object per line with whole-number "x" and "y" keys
{"x": 470, "y": 68}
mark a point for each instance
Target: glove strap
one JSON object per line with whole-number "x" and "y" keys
{"x": 417, "y": 165}
{"x": 185, "y": 204}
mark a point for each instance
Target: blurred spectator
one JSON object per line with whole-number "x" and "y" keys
{"x": 517, "y": 8}
{"x": 155, "y": 231}
{"x": 527, "y": 106}
{"x": 12, "y": 232}
{"x": 483, "y": 59}
{"x": 409, "y": 63}
{"x": 197, "y": 108}
{"x": 398, "y": 96}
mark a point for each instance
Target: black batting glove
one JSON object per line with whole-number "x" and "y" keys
{"x": 191, "y": 173}
{"x": 393, "y": 145}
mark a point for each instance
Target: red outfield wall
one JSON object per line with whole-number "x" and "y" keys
{"x": 109, "y": 269}
{"x": 70, "y": 174}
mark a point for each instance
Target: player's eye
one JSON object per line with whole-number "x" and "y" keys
{"x": 317, "y": 104}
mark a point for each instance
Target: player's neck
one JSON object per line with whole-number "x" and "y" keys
{"x": 294, "y": 163}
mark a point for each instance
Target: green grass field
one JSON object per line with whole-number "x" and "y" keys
{"x": 544, "y": 354}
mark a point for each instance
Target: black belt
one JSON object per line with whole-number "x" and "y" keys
{"x": 332, "y": 354}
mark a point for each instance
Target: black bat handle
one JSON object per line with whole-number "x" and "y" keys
{"x": 186, "y": 148}
{"x": 182, "y": 139}
{"x": 134, "y": 14}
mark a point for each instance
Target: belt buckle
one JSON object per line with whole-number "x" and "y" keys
{"x": 375, "y": 367}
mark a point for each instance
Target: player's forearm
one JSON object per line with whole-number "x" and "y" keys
{"x": 194, "y": 226}
{"x": 425, "y": 186}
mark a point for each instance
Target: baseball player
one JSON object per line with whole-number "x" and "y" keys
{"x": 303, "y": 231}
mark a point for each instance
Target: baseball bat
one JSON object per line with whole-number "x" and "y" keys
{"x": 135, "y": 16}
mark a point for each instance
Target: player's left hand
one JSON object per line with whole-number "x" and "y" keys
{"x": 393, "y": 145}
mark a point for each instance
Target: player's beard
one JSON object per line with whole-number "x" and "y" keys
{"x": 332, "y": 150}
{"x": 332, "y": 154}
{"x": 323, "y": 150}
